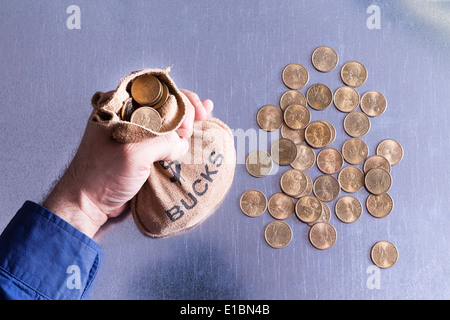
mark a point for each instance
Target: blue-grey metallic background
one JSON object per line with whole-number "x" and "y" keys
{"x": 233, "y": 52}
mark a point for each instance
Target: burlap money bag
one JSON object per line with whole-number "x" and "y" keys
{"x": 181, "y": 194}
{"x": 107, "y": 106}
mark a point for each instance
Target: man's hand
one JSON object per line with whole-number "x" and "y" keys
{"x": 105, "y": 175}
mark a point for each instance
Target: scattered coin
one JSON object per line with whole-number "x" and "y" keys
{"x": 297, "y": 136}
{"x": 293, "y": 182}
{"x": 283, "y": 151}
{"x": 281, "y": 206}
{"x": 308, "y": 209}
{"x": 253, "y": 203}
{"x": 332, "y": 129}
{"x": 379, "y": 206}
{"x": 295, "y": 76}
{"x": 348, "y": 209}
{"x": 297, "y": 116}
{"x": 318, "y": 134}
{"x": 324, "y": 217}
{"x": 146, "y": 90}
{"x": 391, "y": 150}
{"x": 278, "y": 234}
{"x": 384, "y": 254}
{"x": 356, "y": 124}
{"x": 376, "y": 161}
{"x": 346, "y": 99}
{"x": 319, "y": 96}
{"x": 258, "y": 164}
{"x": 373, "y": 103}
{"x": 378, "y": 181}
{"x": 351, "y": 179}
{"x": 147, "y": 117}
{"x": 291, "y": 97}
{"x": 326, "y": 188}
{"x": 309, "y": 187}
{"x": 269, "y": 118}
{"x": 305, "y": 158}
{"x": 329, "y": 161}
{"x": 353, "y": 73}
{"x": 355, "y": 151}
{"x": 322, "y": 235}
{"x": 324, "y": 59}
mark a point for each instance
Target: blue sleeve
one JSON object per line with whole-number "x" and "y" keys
{"x": 44, "y": 257}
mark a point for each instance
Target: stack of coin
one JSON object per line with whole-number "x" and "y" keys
{"x": 148, "y": 94}
{"x": 300, "y": 137}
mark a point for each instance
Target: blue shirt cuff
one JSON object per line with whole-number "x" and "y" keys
{"x": 44, "y": 257}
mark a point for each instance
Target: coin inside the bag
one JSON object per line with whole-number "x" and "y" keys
{"x": 147, "y": 117}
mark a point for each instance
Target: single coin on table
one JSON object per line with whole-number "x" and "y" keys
{"x": 278, "y": 234}
{"x": 258, "y": 163}
{"x": 355, "y": 151}
{"x": 291, "y": 97}
{"x": 269, "y": 118}
{"x": 322, "y": 235}
{"x": 308, "y": 209}
{"x": 351, "y": 179}
{"x": 373, "y": 103}
{"x": 318, "y": 134}
{"x": 326, "y": 188}
{"x": 293, "y": 182}
{"x": 329, "y": 161}
{"x": 376, "y": 161}
{"x": 297, "y": 116}
{"x": 305, "y": 159}
{"x": 253, "y": 203}
{"x": 378, "y": 181}
{"x": 147, "y": 117}
{"x": 379, "y": 206}
{"x": 353, "y": 73}
{"x": 319, "y": 96}
{"x": 295, "y": 76}
{"x": 391, "y": 150}
{"x": 384, "y": 254}
{"x": 356, "y": 124}
{"x": 324, "y": 59}
{"x": 348, "y": 209}
{"x": 346, "y": 99}
{"x": 283, "y": 151}
{"x": 296, "y": 136}
{"x": 146, "y": 89}
{"x": 281, "y": 206}
{"x": 324, "y": 217}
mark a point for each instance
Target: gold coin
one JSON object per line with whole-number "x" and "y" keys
{"x": 391, "y": 150}
{"x": 297, "y": 116}
{"x": 355, "y": 151}
{"x": 308, "y": 209}
{"x": 308, "y": 189}
{"x": 295, "y": 76}
{"x": 378, "y": 181}
{"x": 305, "y": 158}
{"x": 326, "y": 188}
{"x": 324, "y": 59}
{"x": 329, "y": 161}
{"x": 348, "y": 209}
{"x": 164, "y": 96}
{"x": 379, "y": 206}
{"x": 147, "y": 117}
{"x": 322, "y": 235}
{"x": 253, "y": 203}
{"x": 127, "y": 109}
{"x": 351, "y": 179}
{"x": 258, "y": 163}
{"x": 353, "y": 73}
{"x": 373, "y": 103}
{"x": 278, "y": 234}
{"x": 356, "y": 124}
{"x": 297, "y": 136}
{"x": 291, "y": 97}
{"x": 146, "y": 89}
{"x": 324, "y": 217}
{"x": 346, "y": 99}
{"x": 332, "y": 130}
{"x": 269, "y": 118}
{"x": 281, "y": 206}
{"x": 318, "y": 134}
{"x": 283, "y": 151}
{"x": 384, "y": 254}
{"x": 319, "y": 96}
{"x": 376, "y": 161}
{"x": 293, "y": 182}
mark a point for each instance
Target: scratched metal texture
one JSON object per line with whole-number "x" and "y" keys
{"x": 233, "y": 52}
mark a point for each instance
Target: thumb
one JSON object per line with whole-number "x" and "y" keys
{"x": 171, "y": 147}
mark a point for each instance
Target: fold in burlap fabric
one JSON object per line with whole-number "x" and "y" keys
{"x": 178, "y": 195}
{"x": 181, "y": 194}
{"x": 107, "y": 106}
